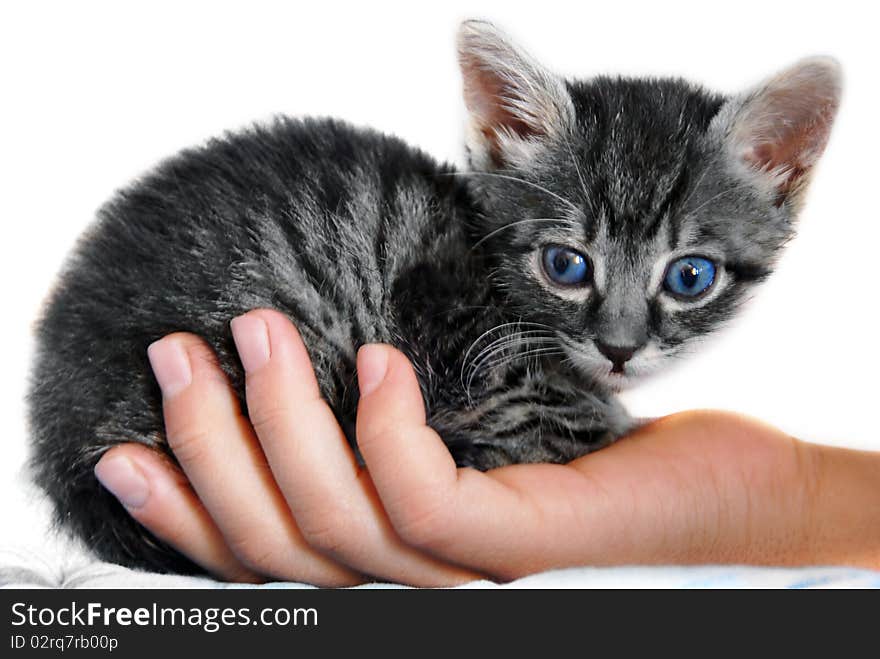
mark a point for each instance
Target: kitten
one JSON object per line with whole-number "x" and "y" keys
{"x": 603, "y": 227}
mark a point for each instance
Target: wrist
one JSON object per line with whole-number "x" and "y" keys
{"x": 844, "y": 507}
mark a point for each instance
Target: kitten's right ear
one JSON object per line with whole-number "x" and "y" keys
{"x": 776, "y": 132}
{"x": 514, "y": 103}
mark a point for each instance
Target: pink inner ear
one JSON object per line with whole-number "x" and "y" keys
{"x": 793, "y": 148}
{"x": 486, "y": 95}
{"x": 785, "y": 128}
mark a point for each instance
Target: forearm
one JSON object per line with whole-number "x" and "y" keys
{"x": 845, "y": 521}
{"x": 714, "y": 487}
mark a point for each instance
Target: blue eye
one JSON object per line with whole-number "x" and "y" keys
{"x": 689, "y": 277}
{"x": 566, "y": 266}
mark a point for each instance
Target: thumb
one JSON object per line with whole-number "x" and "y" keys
{"x": 404, "y": 456}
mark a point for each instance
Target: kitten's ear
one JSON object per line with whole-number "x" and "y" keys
{"x": 514, "y": 103}
{"x": 779, "y": 130}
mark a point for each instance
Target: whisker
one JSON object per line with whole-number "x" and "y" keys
{"x": 719, "y": 195}
{"x": 460, "y": 308}
{"x": 505, "y": 342}
{"x": 576, "y": 167}
{"x": 535, "y": 352}
{"x": 496, "y": 328}
{"x": 695, "y": 188}
{"x": 533, "y": 347}
{"x": 476, "y": 342}
{"x": 514, "y": 341}
{"x": 513, "y": 224}
{"x": 520, "y": 180}
{"x": 473, "y": 366}
{"x": 538, "y": 333}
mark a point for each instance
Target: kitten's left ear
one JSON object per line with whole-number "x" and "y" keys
{"x": 514, "y": 102}
{"x": 779, "y": 130}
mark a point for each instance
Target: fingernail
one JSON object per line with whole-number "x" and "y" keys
{"x": 372, "y": 364}
{"x": 251, "y": 340}
{"x": 170, "y": 366}
{"x": 124, "y": 480}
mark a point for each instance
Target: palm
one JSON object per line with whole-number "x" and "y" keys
{"x": 689, "y": 488}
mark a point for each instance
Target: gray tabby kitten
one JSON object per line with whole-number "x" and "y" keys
{"x": 602, "y": 228}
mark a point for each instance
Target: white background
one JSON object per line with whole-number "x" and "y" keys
{"x": 93, "y": 94}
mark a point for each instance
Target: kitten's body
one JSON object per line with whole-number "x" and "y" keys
{"x": 359, "y": 238}
{"x": 354, "y": 235}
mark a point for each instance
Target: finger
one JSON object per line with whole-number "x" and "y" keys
{"x": 334, "y": 502}
{"x": 460, "y": 515}
{"x": 220, "y": 455}
{"x": 158, "y": 496}
{"x": 391, "y": 427}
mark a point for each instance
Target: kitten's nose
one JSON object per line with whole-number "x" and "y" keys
{"x": 618, "y": 355}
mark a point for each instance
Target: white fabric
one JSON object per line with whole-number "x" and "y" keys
{"x": 31, "y": 570}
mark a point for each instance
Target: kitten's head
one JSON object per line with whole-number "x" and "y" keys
{"x": 632, "y": 216}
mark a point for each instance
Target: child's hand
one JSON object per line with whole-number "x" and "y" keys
{"x": 281, "y": 496}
